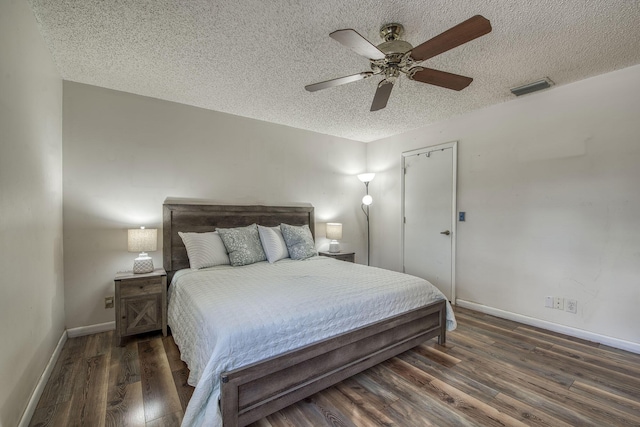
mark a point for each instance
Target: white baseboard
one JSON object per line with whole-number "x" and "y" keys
{"x": 555, "y": 327}
{"x": 92, "y": 329}
{"x": 42, "y": 382}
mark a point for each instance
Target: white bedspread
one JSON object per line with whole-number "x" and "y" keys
{"x": 226, "y": 317}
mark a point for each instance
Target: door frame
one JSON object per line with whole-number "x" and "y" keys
{"x": 438, "y": 147}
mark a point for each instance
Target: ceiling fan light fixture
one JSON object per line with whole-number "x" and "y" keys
{"x": 532, "y": 87}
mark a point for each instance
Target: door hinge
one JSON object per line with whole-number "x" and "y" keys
{"x": 404, "y": 219}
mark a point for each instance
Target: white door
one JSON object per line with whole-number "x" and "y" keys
{"x": 429, "y": 215}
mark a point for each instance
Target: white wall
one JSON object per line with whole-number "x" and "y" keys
{"x": 551, "y": 186}
{"x": 31, "y": 290}
{"x": 125, "y": 154}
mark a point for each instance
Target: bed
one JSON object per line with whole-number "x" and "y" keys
{"x": 253, "y": 385}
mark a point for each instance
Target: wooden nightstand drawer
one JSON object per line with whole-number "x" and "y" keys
{"x": 342, "y": 256}
{"x": 132, "y": 288}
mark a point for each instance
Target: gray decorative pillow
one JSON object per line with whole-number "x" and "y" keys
{"x": 299, "y": 241}
{"x": 243, "y": 244}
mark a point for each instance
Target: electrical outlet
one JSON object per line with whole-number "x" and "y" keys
{"x": 572, "y": 306}
{"x": 558, "y": 303}
{"x": 108, "y": 302}
{"x": 548, "y": 302}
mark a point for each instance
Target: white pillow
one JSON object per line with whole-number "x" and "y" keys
{"x": 273, "y": 243}
{"x": 204, "y": 249}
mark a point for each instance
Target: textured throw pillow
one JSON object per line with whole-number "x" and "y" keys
{"x": 273, "y": 243}
{"x": 299, "y": 241}
{"x": 243, "y": 244}
{"x": 204, "y": 249}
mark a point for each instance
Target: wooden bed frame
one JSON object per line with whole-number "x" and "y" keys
{"x": 254, "y": 391}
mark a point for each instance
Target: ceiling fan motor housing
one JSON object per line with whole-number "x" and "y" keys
{"x": 395, "y": 46}
{"x": 391, "y": 34}
{"x": 396, "y": 59}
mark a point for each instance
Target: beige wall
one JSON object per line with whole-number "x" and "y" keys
{"x": 31, "y": 290}
{"x": 550, "y": 183}
{"x": 125, "y": 154}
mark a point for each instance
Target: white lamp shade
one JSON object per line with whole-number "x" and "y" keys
{"x": 366, "y": 177}
{"x": 367, "y": 200}
{"x": 142, "y": 240}
{"x": 334, "y": 230}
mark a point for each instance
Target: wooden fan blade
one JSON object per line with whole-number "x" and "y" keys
{"x": 382, "y": 95}
{"x": 439, "y": 78}
{"x": 462, "y": 33}
{"x": 339, "y": 81}
{"x": 354, "y": 41}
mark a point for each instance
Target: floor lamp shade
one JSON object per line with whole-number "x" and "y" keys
{"x": 142, "y": 240}
{"x": 334, "y": 232}
{"x": 366, "y": 177}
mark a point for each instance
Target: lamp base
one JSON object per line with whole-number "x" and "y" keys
{"x": 143, "y": 265}
{"x": 334, "y": 247}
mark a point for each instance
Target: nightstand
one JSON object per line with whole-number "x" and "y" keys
{"x": 141, "y": 303}
{"x": 342, "y": 256}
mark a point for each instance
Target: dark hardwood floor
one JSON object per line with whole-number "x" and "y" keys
{"x": 492, "y": 372}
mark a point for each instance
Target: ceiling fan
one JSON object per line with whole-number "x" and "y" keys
{"x": 395, "y": 56}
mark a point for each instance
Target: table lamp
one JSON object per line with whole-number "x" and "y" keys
{"x": 142, "y": 240}
{"x": 334, "y": 232}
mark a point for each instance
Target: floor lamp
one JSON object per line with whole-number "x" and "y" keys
{"x": 366, "y": 178}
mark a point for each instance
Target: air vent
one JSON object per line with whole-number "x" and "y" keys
{"x": 532, "y": 87}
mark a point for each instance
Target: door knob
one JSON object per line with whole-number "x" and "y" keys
{"x": 446, "y": 232}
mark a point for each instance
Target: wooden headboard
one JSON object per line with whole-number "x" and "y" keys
{"x": 203, "y": 218}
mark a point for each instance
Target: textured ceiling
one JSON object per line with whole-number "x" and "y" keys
{"x": 253, "y": 58}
